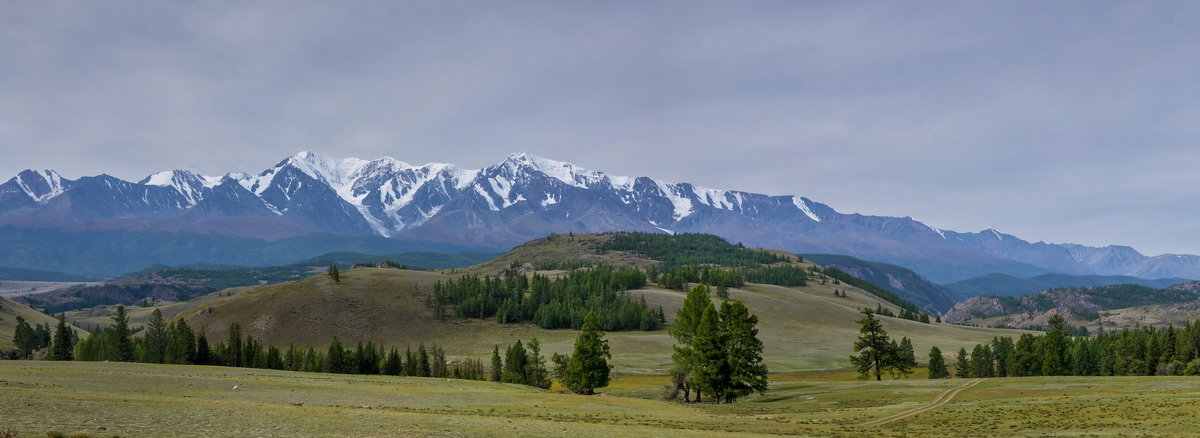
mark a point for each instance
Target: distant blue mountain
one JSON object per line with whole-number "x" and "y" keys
{"x": 1010, "y": 286}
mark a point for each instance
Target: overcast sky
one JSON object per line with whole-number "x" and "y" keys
{"x": 1059, "y": 121}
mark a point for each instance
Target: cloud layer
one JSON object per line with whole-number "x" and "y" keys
{"x": 1057, "y": 121}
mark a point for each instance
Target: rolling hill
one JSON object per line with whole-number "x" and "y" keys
{"x": 802, "y": 328}
{"x": 174, "y": 284}
{"x": 10, "y": 310}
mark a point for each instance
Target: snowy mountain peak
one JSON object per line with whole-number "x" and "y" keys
{"x": 566, "y": 172}
{"x": 41, "y": 185}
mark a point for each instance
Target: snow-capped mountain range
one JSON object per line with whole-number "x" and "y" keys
{"x": 525, "y": 197}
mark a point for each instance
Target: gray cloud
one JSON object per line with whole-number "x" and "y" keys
{"x": 1057, "y": 121}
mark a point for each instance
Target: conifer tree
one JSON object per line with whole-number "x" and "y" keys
{"x": 981, "y": 361}
{"x": 937, "y": 364}
{"x": 1054, "y": 348}
{"x": 876, "y": 354}
{"x": 683, "y": 329}
{"x": 514, "y": 364}
{"x": 121, "y": 333}
{"x": 334, "y": 273}
{"x": 962, "y": 366}
{"x": 392, "y": 365}
{"x": 62, "y": 347}
{"x": 24, "y": 338}
{"x": 203, "y": 355}
{"x": 410, "y": 362}
{"x": 497, "y": 366}
{"x": 743, "y": 351}
{"x": 535, "y": 366}
{"x": 905, "y": 358}
{"x": 588, "y": 367}
{"x": 711, "y": 368}
{"x": 422, "y": 361}
{"x": 156, "y": 338}
{"x": 335, "y": 359}
{"x": 234, "y": 357}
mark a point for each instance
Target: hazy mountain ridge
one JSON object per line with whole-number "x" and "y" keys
{"x": 522, "y": 198}
{"x": 1008, "y": 286}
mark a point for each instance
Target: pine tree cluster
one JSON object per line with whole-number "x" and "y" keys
{"x": 551, "y": 303}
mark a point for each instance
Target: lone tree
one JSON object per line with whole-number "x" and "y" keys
{"x": 63, "y": 347}
{"x": 876, "y": 351}
{"x": 334, "y": 274}
{"x": 588, "y": 367}
{"x": 937, "y": 364}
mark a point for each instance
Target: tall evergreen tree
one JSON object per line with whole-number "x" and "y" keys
{"x": 683, "y": 329}
{"x": 962, "y": 366}
{"x": 711, "y": 368}
{"x": 1054, "y": 348}
{"x": 536, "y": 373}
{"x": 743, "y": 351}
{"x": 25, "y": 338}
{"x": 588, "y": 367}
{"x": 203, "y": 354}
{"x": 62, "y": 347}
{"x": 422, "y": 361}
{"x": 393, "y": 366}
{"x": 497, "y": 369}
{"x": 236, "y": 349}
{"x": 410, "y": 362}
{"x": 514, "y": 364}
{"x": 876, "y": 354}
{"x": 981, "y": 361}
{"x": 335, "y": 358}
{"x": 156, "y": 338}
{"x": 937, "y": 364}
{"x": 121, "y": 333}
{"x": 906, "y": 358}
{"x": 1002, "y": 348}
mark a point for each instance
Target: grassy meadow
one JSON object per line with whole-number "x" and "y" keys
{"x": 171, "y": 400}
{"x": 802, "y": 328}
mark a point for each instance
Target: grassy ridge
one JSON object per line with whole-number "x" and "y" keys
{"x": 803, "y": 328}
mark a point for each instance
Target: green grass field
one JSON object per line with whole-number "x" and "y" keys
{"x": 162, "y": 400}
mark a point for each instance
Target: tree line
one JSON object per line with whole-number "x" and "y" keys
{"x": 586, "y": 369}
{"x": 557, "y": 303}
{"x": 29, "y": 339}
{"x": 688, "y": 249}
{"x": 1141, "y": 351}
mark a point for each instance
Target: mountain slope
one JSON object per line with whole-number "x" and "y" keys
{"x": 907, "y": 284}
{"x": 522, "y": 198}
{"x": 10, "y": 310}
{"x": 1080, "y": 305}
